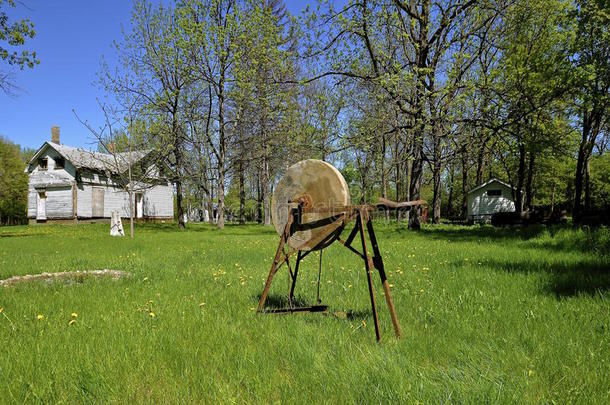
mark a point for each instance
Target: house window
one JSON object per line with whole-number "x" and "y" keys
{"x": 494, "y": 193}
{"x": 59, "y": 163}
{"x": 42, "y": 163}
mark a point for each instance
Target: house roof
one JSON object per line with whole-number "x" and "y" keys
{"x": 84, "y": 159}
{"x": 52, "y": 178}
{"x": 494, "y": 180}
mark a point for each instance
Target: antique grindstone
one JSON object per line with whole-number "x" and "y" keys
{"x": 310, "y": 209}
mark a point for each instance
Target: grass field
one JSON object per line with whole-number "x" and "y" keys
{"x": 488, "y": 316}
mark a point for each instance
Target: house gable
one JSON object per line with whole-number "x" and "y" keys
{"x": 489, "y": 198}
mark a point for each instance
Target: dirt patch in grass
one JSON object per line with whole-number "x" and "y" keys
{"x": 75, "y": 276}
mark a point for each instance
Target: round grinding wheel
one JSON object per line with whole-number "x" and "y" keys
{"x": 317, "y": 184}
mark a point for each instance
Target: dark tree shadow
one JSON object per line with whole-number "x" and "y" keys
{"x": 566, "y": 279}
{"x": 351, "y": 315}
{"x": 198, "y": 227}
{"x": 19, "y": 235}
{"x": 584, "y": 239}
{"x": 477, "y": 233}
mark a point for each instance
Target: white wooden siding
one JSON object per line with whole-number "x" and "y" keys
{"x": 114, "y": 199}
{"x": 59, "y": 202}
{"x": 31, "y": 201}
{"x": 480, "y": 204}
{"x": 159, "y": 202}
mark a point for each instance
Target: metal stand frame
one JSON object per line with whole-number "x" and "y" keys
{"x": 361, "y": 215}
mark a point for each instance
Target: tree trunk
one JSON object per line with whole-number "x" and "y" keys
{"x": 464, "y": 184}
{"x": 242, "y": 192}
{"x": 587, "y": 185}
{"x": 220, "y": 224}
{"x": 480, "y": 163}
{"x": 520, "y": 179}
{"x": 259, "y": 200}
{"x": 266, "y": 180}
{"x": 178, "y": 183}
{"x": 180, "y": 209}
{"x": 529, "y": 192}
{"x": 436, "y": 174}
{"x": 422, "y": 50}
{"x": 384, "y": 184}
{"x": 450, "y": 196}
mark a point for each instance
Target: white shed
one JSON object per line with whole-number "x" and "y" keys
{"x": 489, "y": 198}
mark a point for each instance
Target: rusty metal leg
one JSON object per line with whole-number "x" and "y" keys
{"x": 274, "y": 266}
{"x": 378, "y": 263}
{"x": 368, "y": 264}
{"x": 294, "y": 277}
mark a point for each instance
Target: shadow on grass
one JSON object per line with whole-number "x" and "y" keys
{"x": 229, "y": 229}
{"x": 559, "y": 238}
{"x": 476, "y": 233}
{"x": 19, "y": 235}
{"x": 276, "y": 301}
{"x": 566, "y": 279}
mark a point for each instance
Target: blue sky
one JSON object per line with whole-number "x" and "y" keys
{"x": 71, "y": 39}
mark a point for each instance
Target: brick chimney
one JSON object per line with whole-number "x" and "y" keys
{"x": 55, "y": 134}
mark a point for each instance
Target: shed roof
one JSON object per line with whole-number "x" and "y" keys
{"x": 84, "y": 159}
{"x": 494, "y": 180}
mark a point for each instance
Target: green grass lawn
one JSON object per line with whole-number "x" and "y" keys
{"x": 488, "y": 315}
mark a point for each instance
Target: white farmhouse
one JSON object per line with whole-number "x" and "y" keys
{"x": 489, "y": 198}
{"x": 67, "y": 183}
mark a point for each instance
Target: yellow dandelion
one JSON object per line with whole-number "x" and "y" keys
{"x": 74, "y": 315}
{"x": 40, "y": 317}
{"x": 152, "y": 314}
{"x": 1, "y": 310}
{"x": 72, "y": 322}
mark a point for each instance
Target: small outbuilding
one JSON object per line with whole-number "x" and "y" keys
{"x": 489, "y": 198}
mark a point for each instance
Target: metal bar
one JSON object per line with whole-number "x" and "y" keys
{"x": 378, "y": 263}
{"x": 367, "y": 264}
{"x": 296, "y": 273}
{"x": 292, "y": 276}
{"x": 319, "y": 275}
{"x": 313, "y": 308}
{"x": 352, "y": 235}
{"x": 351, "y": 248}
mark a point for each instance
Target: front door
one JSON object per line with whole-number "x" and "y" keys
{"x": 41, "y": 206}
{"x": 97, "y": 202}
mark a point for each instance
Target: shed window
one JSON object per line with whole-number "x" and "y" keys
{"x": 59, "y": 163}
{"x": 494, "y": 193}
{"x": 42, "y": 163}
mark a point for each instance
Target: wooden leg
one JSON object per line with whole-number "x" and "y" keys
{"x": 367, "y": 264}
{"x": 279, "y": 254}
{"x": 378, "y": 263}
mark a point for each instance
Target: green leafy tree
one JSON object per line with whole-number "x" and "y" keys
{"x": 591, "y": 62}
{"x": 14, "y": 34}
{"x": 13, "y": 185}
